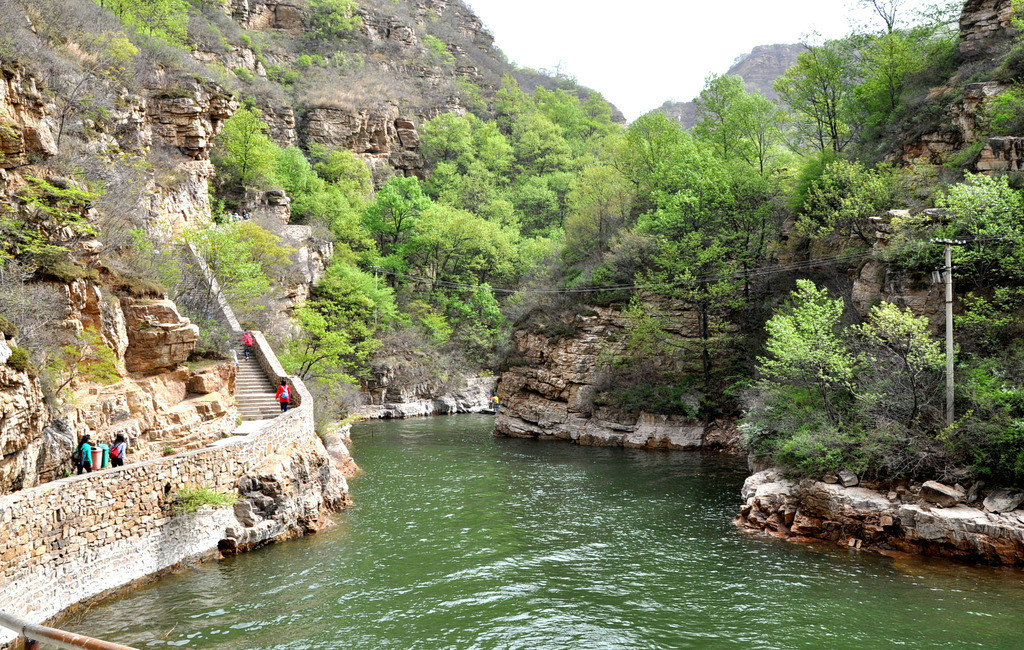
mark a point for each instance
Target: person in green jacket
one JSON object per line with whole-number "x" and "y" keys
{"x": 85, "y": 455}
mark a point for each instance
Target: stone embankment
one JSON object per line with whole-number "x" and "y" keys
{"x": 70, "y": 540}
{"x": 930, "y": 519}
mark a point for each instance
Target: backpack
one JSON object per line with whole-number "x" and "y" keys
{"x": 285, "y": 394}
{"x": 115, "y": 451}
{"x": 76, "y": 456}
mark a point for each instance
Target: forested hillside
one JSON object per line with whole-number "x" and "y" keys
{"x": 375, "y": 185}
{"x": 774, "y": 263}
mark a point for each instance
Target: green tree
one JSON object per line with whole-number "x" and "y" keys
{"x": 393, "y": 213}
{"x": 331, "y": 19}
{"x": 600, "y": 203}
{"x": 902, "y": 368}
{"x": 165, "y": 19}
{"x": 805, "y": 349}
{"x": 243, "y": 152}
{"x": 818, "y": 90}
{"x": 842, "y": 201}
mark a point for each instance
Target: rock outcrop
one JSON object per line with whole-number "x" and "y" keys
{"x": 27, "y": 122}
{"x": 899, "y": 520}
{"x": 385, "y": 138}
{"x": 158, "y": 403}
{"x": 473, "y": 396}
{"x": 986, "y": 33}
{"x": 986, "y": 27}
{"x": 550, "y": 391}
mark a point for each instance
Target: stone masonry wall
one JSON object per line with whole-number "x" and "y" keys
{"x": 72, "y": 539}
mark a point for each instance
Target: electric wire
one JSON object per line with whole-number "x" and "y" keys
{"x": 760, "y": 272}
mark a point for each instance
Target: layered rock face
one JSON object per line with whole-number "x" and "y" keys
{"x": 986, "y": 32}
{"x": 876, "y": 281}
{"x": 385, "y": 138}
{"x": 26, "y": 121}
{"x": 909, "y": 520}
{"x": 986, "y": 27}
{"x": 25, "y": 452}
{"x": 158, "y": 403}
{"x": 550, "y": 392}
{"x": 473, "y": 396}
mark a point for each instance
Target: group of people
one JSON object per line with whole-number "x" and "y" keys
{"x": 235, "y": 216}
{"x": 82, "y": 456}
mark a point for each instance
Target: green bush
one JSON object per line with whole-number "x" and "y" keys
{"x": 64, "y": 269}
{"x": 9, "y": 329}
{"x": 190, "y": 499}
{"x": 19, "y": 360}
{"x": 244, "y": 75}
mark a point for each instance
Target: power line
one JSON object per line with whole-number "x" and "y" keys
{"x": 752, "y": 273}
{"x": 759, "y": 272}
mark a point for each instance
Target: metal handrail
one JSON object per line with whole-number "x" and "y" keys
{"x": 35, "y": 635}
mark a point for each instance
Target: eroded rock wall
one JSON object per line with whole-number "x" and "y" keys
{"x": 550, "y": 389}
{"x": 158, "y": 402}
{"x": 861, "y": 517}
{"x": 472, "y": 396}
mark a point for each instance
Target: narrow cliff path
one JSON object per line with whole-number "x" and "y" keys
{"x": 254, "y": 391}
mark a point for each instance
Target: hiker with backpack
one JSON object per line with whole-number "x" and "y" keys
{"x": 82, "y": 458}
{"x": 248, "y": 342}
{"x": 118, "y": 450}
{"x": 284, "y": 395}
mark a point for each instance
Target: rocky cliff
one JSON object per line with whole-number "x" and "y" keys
{"x": 929, "y": 519}
{"x": 759, "y": 69}
{"x": 157, "y": 402}
{"x": 986, "y": 36}
{"x": 153, "y": 152}
{"x": 551, "y": 390}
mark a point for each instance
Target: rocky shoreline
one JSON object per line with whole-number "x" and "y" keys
{"x": 930, "y": 519}
{"x": 474, "y": 396}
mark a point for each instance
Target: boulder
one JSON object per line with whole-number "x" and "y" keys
{"x": 1003, "y": 500}
{"x": 848, "y": 478}
{"x": 941, "y": 495}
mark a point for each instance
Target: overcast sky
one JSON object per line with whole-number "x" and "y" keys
{"x": 640, "y": 53}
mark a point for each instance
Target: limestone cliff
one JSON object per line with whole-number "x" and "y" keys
{"x": 551, "y": 387}
{"x": 986, "y": 35}
{"x": 158, "y": 403}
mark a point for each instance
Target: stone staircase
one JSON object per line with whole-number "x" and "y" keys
{"x": 254, "y": 391}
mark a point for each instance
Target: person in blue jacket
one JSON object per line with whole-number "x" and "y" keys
{"x": 83, "y": 455}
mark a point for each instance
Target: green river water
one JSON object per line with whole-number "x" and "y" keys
{"x": 461, "y": 540}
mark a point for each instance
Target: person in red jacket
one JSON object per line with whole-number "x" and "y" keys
{"x": 284, "y": 395}
{"x": 247, "y": 342}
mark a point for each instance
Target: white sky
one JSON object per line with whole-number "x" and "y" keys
{"x": 640, "y": 53}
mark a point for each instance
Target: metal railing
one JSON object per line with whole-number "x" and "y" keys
{"x": 36, "y": 636}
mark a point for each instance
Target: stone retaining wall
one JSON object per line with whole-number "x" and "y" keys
{"x": 69, "y": 540}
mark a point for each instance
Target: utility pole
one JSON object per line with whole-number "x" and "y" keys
{"x": 950, "y": 416}
{"x": 948, "y": 277}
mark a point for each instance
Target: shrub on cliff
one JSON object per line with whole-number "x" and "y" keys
{"x": 19, "y": 359}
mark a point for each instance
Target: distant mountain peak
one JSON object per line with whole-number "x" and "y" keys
{"x": 759, "y": 69}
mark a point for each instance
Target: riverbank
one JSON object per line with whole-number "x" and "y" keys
{"x": 910, "y": 520}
